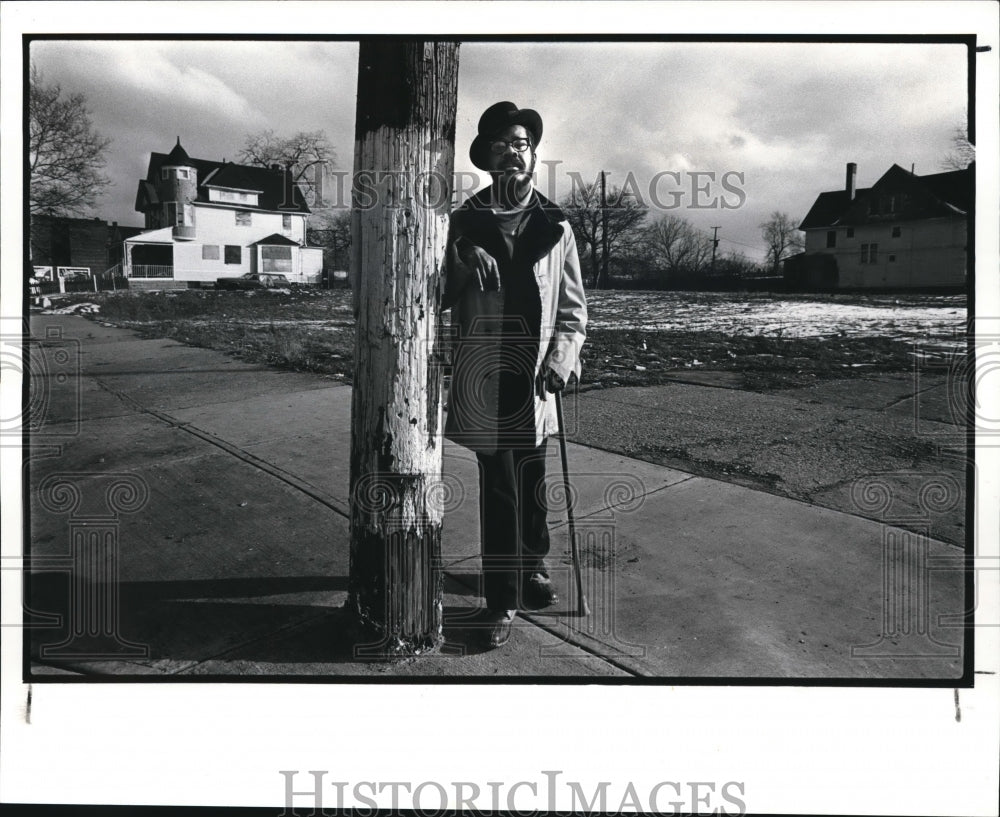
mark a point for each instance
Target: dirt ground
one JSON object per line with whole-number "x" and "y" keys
{"x": 888, "y": 446}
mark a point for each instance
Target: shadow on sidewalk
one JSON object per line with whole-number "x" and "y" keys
{"x": 235, "y": 626}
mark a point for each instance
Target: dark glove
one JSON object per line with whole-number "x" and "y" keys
{"x": 549, "y": 380}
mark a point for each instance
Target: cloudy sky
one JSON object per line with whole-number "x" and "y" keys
{"x": 788, "y": 116}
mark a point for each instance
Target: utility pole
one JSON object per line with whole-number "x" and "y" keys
{"x": 404, "y": 156}
{"x": 604, "y": 233}
{"x": 715, "y": 245}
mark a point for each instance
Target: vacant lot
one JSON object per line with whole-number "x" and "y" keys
{"x": 800, "y": 396}
{"x": 635, "y": 339}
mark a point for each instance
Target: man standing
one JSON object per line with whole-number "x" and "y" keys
{"x": 513, "y": 283}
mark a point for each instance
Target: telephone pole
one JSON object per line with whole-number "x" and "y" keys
{"x": 404, "y": 140}
{"x": 604, "y": 233}
{"x": 715, "y": 245}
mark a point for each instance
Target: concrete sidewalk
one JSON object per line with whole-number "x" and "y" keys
{"x": 228, "y": 538}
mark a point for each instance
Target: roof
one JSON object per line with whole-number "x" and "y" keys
{"x": 276, "y": 238}
{"x": 954, "y": 187}
{"x": 161, "y": 235}
{"x": 828, "y": 208}
{"x": 236, "y": 177}
{"x": 275, "y": 193}
{"x": 934, "y": 195}
{"x": 178, "y": 156}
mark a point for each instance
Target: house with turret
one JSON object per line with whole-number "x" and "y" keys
{"x": 206, "y": 219}
{"x": 904, "y": 232}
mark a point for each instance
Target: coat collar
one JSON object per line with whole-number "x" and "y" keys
{"x": 541, "y": 233}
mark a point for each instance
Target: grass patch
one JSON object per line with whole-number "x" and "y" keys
{"x": 313, "y": 330}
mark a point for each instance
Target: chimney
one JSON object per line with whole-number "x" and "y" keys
{"x": 851, "y": 183}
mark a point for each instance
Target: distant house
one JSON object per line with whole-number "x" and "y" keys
{"x": 905, "y": 231}
{"x": 207, "y": 219}
{"x": 62, "y": 246}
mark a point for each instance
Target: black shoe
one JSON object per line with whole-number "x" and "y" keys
{"x": 498, "y": 625}
{"x": 539, "y": 592}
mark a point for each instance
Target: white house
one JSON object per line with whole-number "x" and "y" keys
{"x": 206, "y": 220}
{"x": 905, "y": 231}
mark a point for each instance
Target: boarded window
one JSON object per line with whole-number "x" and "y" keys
{"x": 234, "y": 254}
{"x": 210, "y": 252}
{"x": 276, "y": 259}
{"x": 242, "y": 218}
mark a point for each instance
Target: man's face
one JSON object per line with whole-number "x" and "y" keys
{"x": 510, "y": 161}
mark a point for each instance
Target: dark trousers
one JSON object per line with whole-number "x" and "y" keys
{"x": 513, "y": 527}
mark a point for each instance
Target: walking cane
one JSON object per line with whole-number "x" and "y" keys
{"x": 582, "y": 608}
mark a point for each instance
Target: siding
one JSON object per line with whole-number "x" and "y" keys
{"x": 928, "y": 253}
{"x": 217, "y": 226}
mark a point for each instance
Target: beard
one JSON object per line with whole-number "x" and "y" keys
{"x": 514, "y": 177}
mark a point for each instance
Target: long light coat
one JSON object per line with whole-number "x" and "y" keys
{"x": 474, "y": 398}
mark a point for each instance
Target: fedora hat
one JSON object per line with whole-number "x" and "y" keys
{"x": 497, "y": 118}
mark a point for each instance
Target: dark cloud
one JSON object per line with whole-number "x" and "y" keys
{"x": 787, "y": 116}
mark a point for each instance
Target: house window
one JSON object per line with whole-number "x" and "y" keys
{"x": 892, "y": 259}
{"x": 179, "y": 214}
{"x": 209, "y": 252}
{"x": 234, "y": 254}
{"x": 896, "y": 232}
{"x": 276, "y": 259}
{"x": 831, "y": 238}
{"x": 869, "y": 253}
{"x": 850, "y": 232}
{"x": 242, "y": 218}
{"x": 286, "y": 221}
{"x": 164, "y": 173}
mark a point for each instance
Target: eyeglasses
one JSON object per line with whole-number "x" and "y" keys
{"x": 501, "y": 145}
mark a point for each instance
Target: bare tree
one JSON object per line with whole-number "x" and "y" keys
{"x": 781, "y": 237}
{"x": 305, "y": 154}
{"x": 624, "y": 215}
{"x": 738, "y": 265}
{"x": 677, "y": 248}
{"x": 962, "y": 153}
{"x": 331, "y": 229}
{"x": 65, "y": 153}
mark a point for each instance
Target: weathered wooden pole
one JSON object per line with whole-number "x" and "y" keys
{"x": 404, "y": 156}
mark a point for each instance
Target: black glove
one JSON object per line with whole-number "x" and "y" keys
{"x": 549, "y": 380}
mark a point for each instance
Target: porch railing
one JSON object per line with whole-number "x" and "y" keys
{"x": 151, "y": 271}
